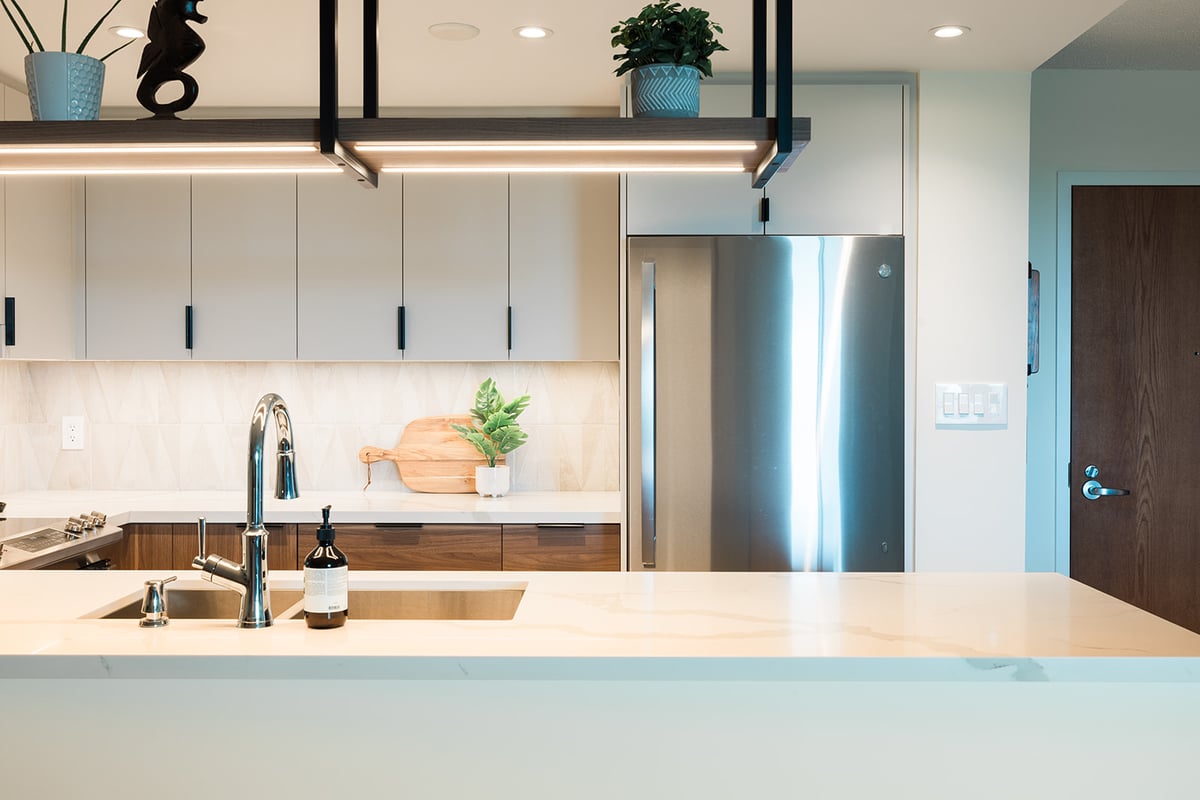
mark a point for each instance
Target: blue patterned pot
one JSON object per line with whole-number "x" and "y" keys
{"x": 64, "y": 85}
{"x": 665, "y": 90}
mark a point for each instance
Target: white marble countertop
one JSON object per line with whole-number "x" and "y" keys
{"x": 348, "y": 507}
{"x": 624, "y": 626}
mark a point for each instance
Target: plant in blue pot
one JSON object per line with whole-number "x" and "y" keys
{"x": 63, "y": 84}
{"x": 667, "y": 50}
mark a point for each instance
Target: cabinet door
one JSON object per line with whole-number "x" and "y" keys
{"x": 563, "y": 266}
{"x": 244, "y": 267}
{"x": 139, "y": 272}
{"x": 456, "y": 267}
{"x": 850, "y": 177}
{"x": 225, "y": 540}
{"x": 44, "y": 265}
{"x": 435, "y": 547}
{"x": 143, "y": 546}
{"x": 349, "y": 252}
{"x": 562, "y": 547}
{"x": 697, "y": 204}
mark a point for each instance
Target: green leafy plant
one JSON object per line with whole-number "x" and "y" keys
{"x": 496, "y": 431}
{"x": 667, "y": 33}
{"x": 31, "y": 40}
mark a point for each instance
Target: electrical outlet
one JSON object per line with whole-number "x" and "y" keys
{"x": 72, "y": 433}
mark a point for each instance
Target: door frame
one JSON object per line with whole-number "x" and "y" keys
{"x": 1067, "y": 181}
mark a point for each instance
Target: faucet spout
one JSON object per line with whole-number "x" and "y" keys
{"x": 249, "y": 579}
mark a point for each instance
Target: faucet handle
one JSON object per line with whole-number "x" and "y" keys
{"x": 154, "y": 604}
{"x": 202, "y": 533}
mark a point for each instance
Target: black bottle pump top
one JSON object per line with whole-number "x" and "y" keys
{"x": 325, "y": 533}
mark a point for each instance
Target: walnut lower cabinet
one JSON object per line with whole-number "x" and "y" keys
{"x": 384, "y": 546}
{"x": 402, "y": 546}
{"x": 562, "y": 547}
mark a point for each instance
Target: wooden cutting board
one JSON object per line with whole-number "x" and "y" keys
{"x": 431, "y": 457}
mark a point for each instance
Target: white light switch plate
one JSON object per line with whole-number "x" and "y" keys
{"x": 72, "y": 433}
{"x": 971, "y": 404}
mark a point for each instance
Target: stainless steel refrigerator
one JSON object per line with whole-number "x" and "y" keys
{"x": 766, "y": 385}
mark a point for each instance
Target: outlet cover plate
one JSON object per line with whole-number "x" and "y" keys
{"x": 72, "y": 433}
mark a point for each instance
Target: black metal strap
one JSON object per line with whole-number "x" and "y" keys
{"x": 331, "y": 148}
{"x": 758, "y": 81}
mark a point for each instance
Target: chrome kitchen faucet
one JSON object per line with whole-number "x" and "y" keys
{"x": 249, "y": 579}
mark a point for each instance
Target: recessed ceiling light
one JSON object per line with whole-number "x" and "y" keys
{"x": 949, "y": 31}
{"x": 533, "y": 32}
{"x": 453, "y": 31}
{"x": 127, "y": 31}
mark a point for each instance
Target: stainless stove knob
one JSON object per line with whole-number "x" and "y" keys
{"x": 99, "y": 518}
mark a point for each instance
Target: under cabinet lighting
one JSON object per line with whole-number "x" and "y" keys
{"x": 101, "y": 150}
{"x": 569, "y": 168}
{"x": 476, "y": 147}
{"x": 173, "y": 171}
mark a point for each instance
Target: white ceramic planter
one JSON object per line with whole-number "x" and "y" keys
{"x": 64, "y": 85}
{"x": 491, "y": 481}
{"x": 665, "y": 90}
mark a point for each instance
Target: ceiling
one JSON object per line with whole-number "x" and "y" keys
{"x": 263, "y": 53}
{"x": 1141, "y": 34}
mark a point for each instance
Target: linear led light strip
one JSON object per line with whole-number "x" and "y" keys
{"x": 100, "y": 150}
{"x": 569, "y": 168}
{"x": 174, "y": 171}
{"x": 716, "y": 147}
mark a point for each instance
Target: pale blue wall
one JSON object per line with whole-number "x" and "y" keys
{"x": 1088, "y": 121}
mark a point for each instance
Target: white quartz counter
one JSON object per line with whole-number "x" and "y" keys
{"x": 348, "y": 507}
{"x": 602, "y": 626}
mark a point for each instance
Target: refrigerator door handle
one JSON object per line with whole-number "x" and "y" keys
{"x": 649, "y": 534}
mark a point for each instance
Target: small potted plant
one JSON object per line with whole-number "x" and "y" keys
{"x": 668, "y": 48}
{"x": 62, "y": 84}
{"x": 496, "y": 433}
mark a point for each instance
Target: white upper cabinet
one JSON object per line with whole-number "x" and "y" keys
{"x": 563, "y": 267}
{"x": 848, "y": 180}
{"x": 244, "y": 267}
{"x": 138, "y": 266}
{"x": 44, "y": 266}
{"x": 850, "y": 177}
{"x": 349, "y": 268}
{"x": 697, "y": 204}
{"x": 456, "y": 267}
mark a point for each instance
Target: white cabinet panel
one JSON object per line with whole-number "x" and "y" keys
{"x": 138, "y": 266}
{"x": 44, "y": 265}
{"x": 564, "y": 265}
{"x": 456, "y": 267}
{"x": 349, "y": 268}
{"x": 697, "y": 204}
{"x": 850, "y": 178}
{"x": 244, "y": 267}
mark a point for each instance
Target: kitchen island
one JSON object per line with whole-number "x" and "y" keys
{"x": 610, "y": 684}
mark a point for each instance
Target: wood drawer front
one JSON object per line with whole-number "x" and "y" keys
{"x": 585, "y": 547}
{"x": 143, "y": 546}
{"x": 225, "y": 539}
{"x": 433, "y": 547}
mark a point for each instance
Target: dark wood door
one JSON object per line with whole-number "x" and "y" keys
{"x": 1135, "y": 394}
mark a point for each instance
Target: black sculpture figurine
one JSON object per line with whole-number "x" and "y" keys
{"x": 173, "y": 46}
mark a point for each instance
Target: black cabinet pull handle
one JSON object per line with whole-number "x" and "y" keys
{"x": 559, "y": 525}
{"x": 187, "y": 327}
{"x": 10, "y": 322}
{"x": 398, "y": 525}
{"x": 510, "y": 327}
{"x": 400, "y": 326}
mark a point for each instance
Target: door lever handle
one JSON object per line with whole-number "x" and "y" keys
{"x": 1093, "y": 490}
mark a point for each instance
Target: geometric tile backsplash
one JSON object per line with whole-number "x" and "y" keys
{"x": 179, "y": 425}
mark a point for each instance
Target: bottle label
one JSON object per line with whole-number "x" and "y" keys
{"x": 326, "y": 590}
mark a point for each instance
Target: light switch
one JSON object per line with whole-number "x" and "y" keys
{"x": 983, "y": 405}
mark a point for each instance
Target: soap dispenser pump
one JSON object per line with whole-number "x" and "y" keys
{"x": 326, "y": 580}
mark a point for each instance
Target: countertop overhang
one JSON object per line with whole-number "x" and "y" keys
{"x": 627, "y": 626}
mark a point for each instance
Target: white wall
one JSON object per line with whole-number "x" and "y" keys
{"x": 1089, "y": 121}
{"x": 972, "y": 230}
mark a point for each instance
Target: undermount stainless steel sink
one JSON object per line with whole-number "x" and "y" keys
{"x": 195, "y": 601}
{"x": 447, "y": 604}
{"x": 201, "y": 600}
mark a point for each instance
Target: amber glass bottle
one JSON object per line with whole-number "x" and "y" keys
{"x": 326, "y": 581}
